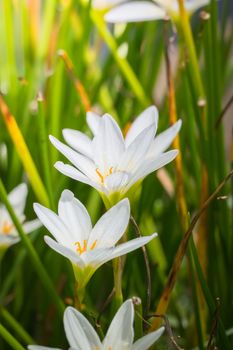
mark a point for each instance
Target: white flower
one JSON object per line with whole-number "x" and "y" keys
{"x": 85, "y": 246}
{"x": 81, "y": 335}
{"x": 8, "y": 233}
{"x": 138, "y": 11}
{"x": 110, "y": 163}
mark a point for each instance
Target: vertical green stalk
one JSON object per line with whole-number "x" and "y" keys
{"x": 43, "y": 142}
{"x": 117, "y": 270}
{"x": 195, "y": 302}
{"x": 16, "y": 326}
{"x": 49, "y": 14}
{"x": 31, "y": 251}
{"x": 9, "y": 44}
{"x": 122, "y": 62}
{"x": 188, "y": 37}
{"x": 208, "y": 297}
{"x": 10, "y": 339}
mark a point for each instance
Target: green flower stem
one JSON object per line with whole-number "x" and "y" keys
{"x": 31, "y": 252}
{"x": 43, "y": 142}
{"x": 117, "y": 271}
{"x": 122, "y": 62}
{"x": 184, "y": 25}
{"x": 195, "y": 302}
{"x": 10, "y": 339}
{"x": 117, "y": 262}
{"x": 16, "y": 326}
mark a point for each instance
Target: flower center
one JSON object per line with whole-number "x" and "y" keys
{"x": 6, "y": 228}
{"x": 82, "y": 248}
{"x": 101, "y": 176}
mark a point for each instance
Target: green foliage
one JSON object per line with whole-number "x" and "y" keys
{"x": 30, "y": 39}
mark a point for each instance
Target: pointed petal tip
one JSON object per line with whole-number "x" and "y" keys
{"x": 179, "y": 124}
{"x": 58, "y": 164}
{"x": 66, "y": 196}
{"x": 51, "y": 138}
{"x": 37, "y": 207}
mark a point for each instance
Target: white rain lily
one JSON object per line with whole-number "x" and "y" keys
{"x": 85, "y": 246}
{"x": 110, "y": 163}
{"x": 122, "y": 11}
{"x": 120, "y": 335}
{"x": 8, "y": 233}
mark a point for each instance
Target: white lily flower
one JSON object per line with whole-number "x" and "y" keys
{"x": 110, "y": 163}
{"x": 8, "y": 233}
{"x": 122, "y": 11}
{"x": 81, "y": 335}
{"x": 85, "y": 246}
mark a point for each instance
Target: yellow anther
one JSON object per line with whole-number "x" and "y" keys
{"x": 7, "y": 228}
{"x": 93, "y": 245}
{"x": 83, "y": 248}
{"x": 100, "y": 175}
{"x": 79, "y": 248}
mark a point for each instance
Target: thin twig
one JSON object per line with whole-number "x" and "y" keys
{"x": 146, "y": 260}
{"x": 214, "y": 324}
{"x": 222, "y": 114}
{"x": 168, "y": 330}
{"x": 105, "y": 304}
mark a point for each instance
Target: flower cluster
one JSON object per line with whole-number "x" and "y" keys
{"x": 81, "y": 335}
{"x": 113, "y": 165}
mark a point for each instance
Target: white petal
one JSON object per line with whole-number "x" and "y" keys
{"x": 78, "y": 141}
{"x": 164, "y": 140}
{"x": 150, "y": 166}
{"x": 129, "y": 246}
{"x": 8, "y": 240}
{"x": 30, "y": 226}
{"x": 108, "y": 144}
{"x": 136, "y": 11}
{"x": 54, "y": 225}
{"x": 121, "y": 331}
{"x": 145, "y": 342}
{"x": 116, "y": 181}
{"x": 64, "y": 251}
{"x": 75, "y": 174}
{"x": 84, "y": 164}
{"x": 79, "y": 332}
{"x": 17, "y": 198}
{"x": 135, "y": 154}
{"x": 97, "y": 257}
{"x": 145, "y": 119}
{"x": 75, "y": 216}
{"x": 111, "y": 226}
{"x": 93, "y": 121}
{"x": 191, "y": 5}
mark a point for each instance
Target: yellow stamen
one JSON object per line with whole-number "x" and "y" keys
{"x": 82, "y": 249}
{"x": 100, "y": 175}
{"x": 7, "y": 228}
{"x": 93, "y": 245}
